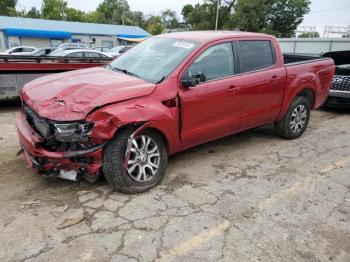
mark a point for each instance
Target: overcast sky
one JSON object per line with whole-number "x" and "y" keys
{"x": 323, "y": 12}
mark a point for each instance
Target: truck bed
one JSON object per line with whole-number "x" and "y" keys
{"x": 312, "y": 67}
{"x": 296, "y": 58}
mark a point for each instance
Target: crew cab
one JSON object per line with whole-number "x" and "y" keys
{"x": 169, "y": 93}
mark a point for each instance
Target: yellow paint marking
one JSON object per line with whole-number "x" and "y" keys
{"x": 340, "y": 163}
{"x": 186, "y": 246}
{"x": 268, "y": 202}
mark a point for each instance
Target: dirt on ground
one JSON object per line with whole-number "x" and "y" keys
{"x": 248, "y": 197}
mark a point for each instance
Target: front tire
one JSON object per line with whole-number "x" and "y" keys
{"x": 146, "y": 166}
{"x": 296, "y": 120}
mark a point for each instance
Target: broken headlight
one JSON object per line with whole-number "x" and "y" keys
{"x": 72, "y": 132}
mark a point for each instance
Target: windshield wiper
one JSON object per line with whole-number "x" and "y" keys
{"x": 125, "y": 71}
{"x": 160, "y": 80}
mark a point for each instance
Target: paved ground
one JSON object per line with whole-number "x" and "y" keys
{"x": 248, "y": 197}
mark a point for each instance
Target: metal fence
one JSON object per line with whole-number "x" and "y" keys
{"x": 313, "y": 45}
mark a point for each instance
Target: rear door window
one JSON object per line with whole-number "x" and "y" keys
{"x": 255, "y": 55}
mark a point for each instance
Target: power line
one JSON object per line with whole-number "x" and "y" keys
{"x": 331, "y": 9}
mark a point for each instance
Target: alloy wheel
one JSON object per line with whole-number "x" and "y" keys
{"x": 298, "y": 118}
{"x": 144, "y": 159}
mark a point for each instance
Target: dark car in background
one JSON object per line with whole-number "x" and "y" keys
{"x": 339, "y": 94}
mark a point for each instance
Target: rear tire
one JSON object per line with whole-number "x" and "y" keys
{"x": 296, "y": 120}
{"x": 113, "y": 162}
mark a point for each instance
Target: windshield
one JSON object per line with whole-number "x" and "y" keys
{"x": 154, "y": 59}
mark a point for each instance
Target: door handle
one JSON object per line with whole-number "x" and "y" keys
{"x": 274, "y": 77}
{"x": 232, "y": 89}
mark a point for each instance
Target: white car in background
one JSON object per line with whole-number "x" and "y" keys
{"x": 102, "y": 48}
{"x": 19, "y": 50}
{"x": 79, "y": 53}
{"x": 118, "y": 50}
{"x": 45, "y": 51}
{"x": 70, "y": 46}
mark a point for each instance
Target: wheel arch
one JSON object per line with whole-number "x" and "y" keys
{"x": 138, "y": 127}
{"x": 306, "y": 91}
{"x": 309, "y": 94}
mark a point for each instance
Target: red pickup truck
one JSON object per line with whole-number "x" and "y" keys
{"x": 169, "y": 93}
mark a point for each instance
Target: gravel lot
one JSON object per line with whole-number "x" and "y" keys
{"x": 247, "y": 197}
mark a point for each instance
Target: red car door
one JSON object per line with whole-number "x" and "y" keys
{"x": 260, "y": 83}
{"x": 210, "y": 109}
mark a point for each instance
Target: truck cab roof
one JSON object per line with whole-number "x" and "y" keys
{"x": 209, "y": 36}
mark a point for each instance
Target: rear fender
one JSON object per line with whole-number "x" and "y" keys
{"x": 307, "y": 81}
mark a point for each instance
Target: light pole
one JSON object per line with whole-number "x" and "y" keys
{"x": 217, "y": 15}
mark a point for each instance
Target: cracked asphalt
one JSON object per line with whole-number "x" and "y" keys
{"x": 247, "y": 197}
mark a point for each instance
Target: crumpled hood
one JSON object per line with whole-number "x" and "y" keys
{"x": 72, "y": 95}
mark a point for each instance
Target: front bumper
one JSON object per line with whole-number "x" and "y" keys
{"x": 338, "y": 99}
{"x": 84, "y": 162}
{"x": 341, "y": 94}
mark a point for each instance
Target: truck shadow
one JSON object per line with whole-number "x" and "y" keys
{"x": 341, "y": 111}
{"x": 233, "y": 141}
{"x": 10, "y": 105}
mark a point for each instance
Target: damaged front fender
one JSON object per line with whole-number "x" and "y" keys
{"x": 143, "y": 113}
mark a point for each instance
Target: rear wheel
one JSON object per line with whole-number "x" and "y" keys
{"x": 296, "y": 120}
{"x": 146, "y": 163}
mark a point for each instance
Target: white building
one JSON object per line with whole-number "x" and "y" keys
{"x": 16, "y": 31}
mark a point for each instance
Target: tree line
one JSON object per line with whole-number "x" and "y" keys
{"x": 276, "y": 17}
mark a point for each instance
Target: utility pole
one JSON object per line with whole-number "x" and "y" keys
{"x": 217, "y": 15}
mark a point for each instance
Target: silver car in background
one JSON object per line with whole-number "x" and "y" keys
{"x": 19, "y": 50}
{"x": 79, "y": 53}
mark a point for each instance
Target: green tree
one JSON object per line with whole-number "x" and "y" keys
{"x": 203, "y": 16}
{"x": 284, "y": 16}
{"x": 114, "y": 11}
{"x": 169, "y": 19}
{"x": 33, "y": 13}
{"x": 309, "y": 35}
{"x": 186, "y": 11}
{"x": 74, "y": 15}
{"x": 137, "y": 18}
{"x": 93, "y": 17}
{"x": 154, "y": 25}
{"x": 250, "y": 15}
{"x": 54, "y": 9}
{"x": 8, "y": 7}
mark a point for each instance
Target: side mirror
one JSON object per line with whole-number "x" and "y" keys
{"x": 188, "y": 80}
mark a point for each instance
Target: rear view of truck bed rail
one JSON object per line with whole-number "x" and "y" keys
{"x": 291, "y": 59}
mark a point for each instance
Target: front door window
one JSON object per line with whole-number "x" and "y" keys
{"x": 214, "y": 63}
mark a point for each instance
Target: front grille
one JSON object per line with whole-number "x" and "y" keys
{"x": 341, "y": 83}
{"x": 38, "y": 123}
